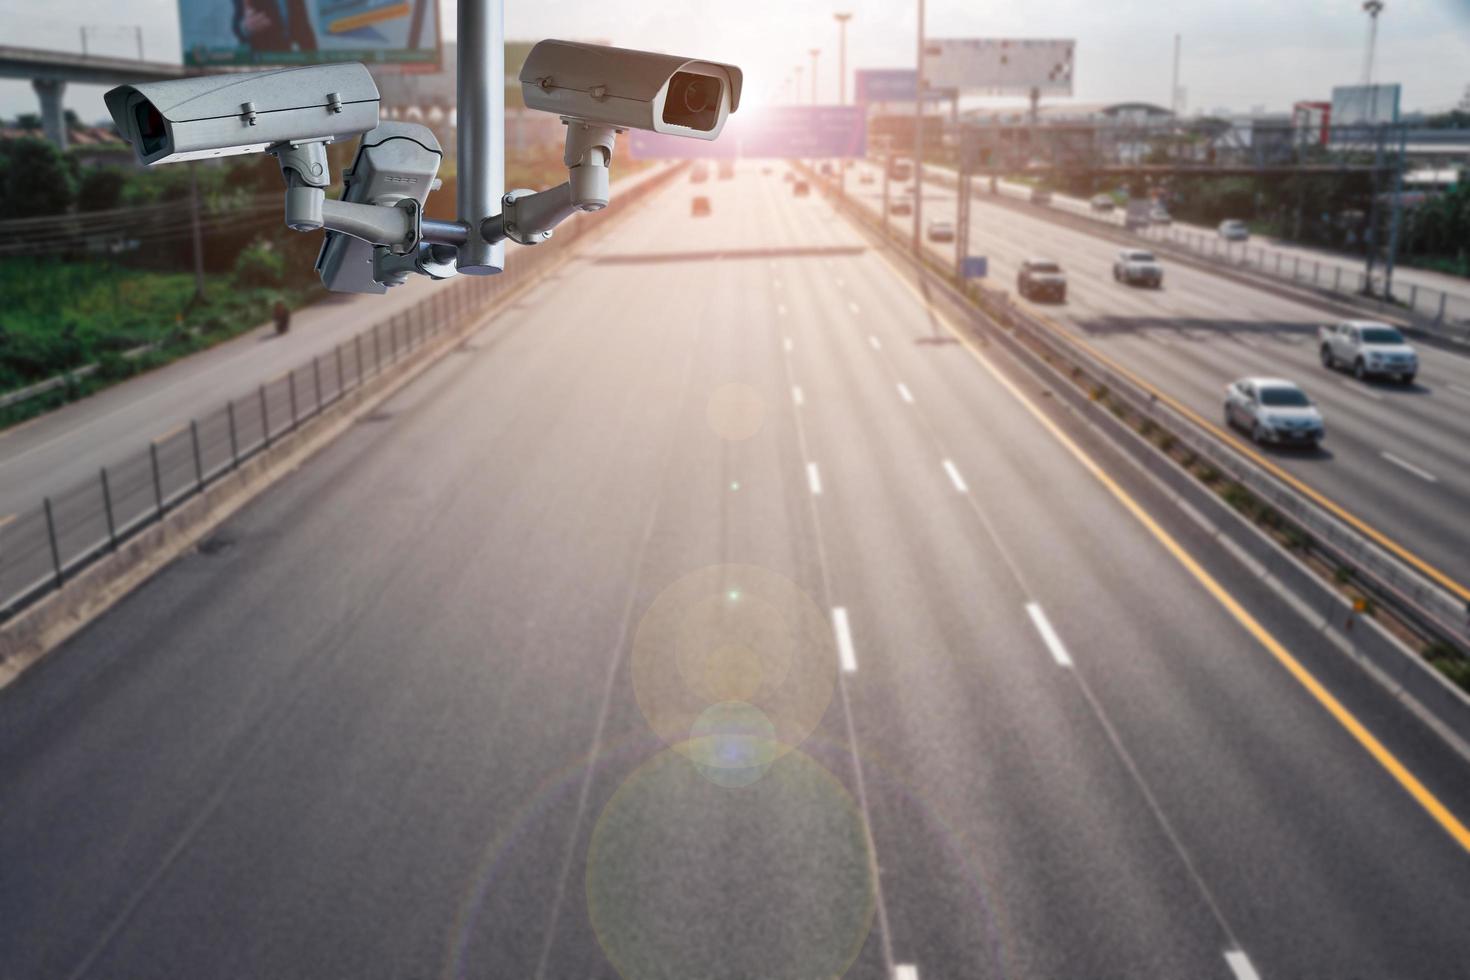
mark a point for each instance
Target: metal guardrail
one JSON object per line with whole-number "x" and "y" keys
{"x": 45, "y": 546}
{"x": 1432, "y": 608}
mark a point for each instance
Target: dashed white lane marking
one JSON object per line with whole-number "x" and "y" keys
{"x": 780, "y": 309}
{"x": 797, "y": 396}
{"x": 1421, "y": 473}
{"x": 874, "y": 342}
{"x": 854, "y": 307}
{"x": 788, "y": 344}
{"x": 1357, "y": 388}
{"x": 904, "y": 393}
{"x": 954, "y": 476}
{"x": 905, "y": 971}
{"x": 814, "y": 479}
{"x": 1240, "y": 965}
{"x": 843, "y": 632}
{"x": 1459, "y": 391}
{"x": 1048, "y": 635}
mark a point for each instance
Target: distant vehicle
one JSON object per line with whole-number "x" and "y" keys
{"x": 901, "y": 207}
{"x": 899, "y": 170}
{"x": 827, "y": 170}
{"x": 1136, "y": 214}
{"x": 1159, "y": 215}
{"x": 865, "y": 177}
{"x": 1273, "y": 410}
{"x": 1371, "y": 349}
{"x": 1234, "y": 231}
{"x": 1040, "y": 195}
{"x": 699, "y": 207}
{"x": 1102, "y": 203}
{"x": 698, "y": 174}
{"x": 941, "y": 231}
{"x": 1042, "y": 279}
{"x": 1138, "y": 268}
{"x": 726, "y": 170}
{"x": 801, "y": 188}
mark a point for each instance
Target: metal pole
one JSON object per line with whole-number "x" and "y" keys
{"x": 265, "y": 418}
{"x": 357, "y": 345}
{"x": 198, "y": 457}
{"x": 1371, "y": 237}
{"x": 157, "y": 480}
{"x": 107, "y": 509}
{"x": 234, "y": 440}
{"x": 1396, "y": 221}
{"x": 291, "y": 386}
{"x": 919, "y": 133}
{"x": 480, "y": 97}
{"x": 814, "y": 52}
{"x": 55, "y": 549}
{"x": 341, "y": 382}
{"x": 316, "y": 380}
{"x": 842, "y": 20}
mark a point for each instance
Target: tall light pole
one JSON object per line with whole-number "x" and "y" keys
{"x": 919, "y": 134}
{"x": 842, "y": 20}
{"x": 814, "y": 52}
{"x": 796, "y": 93}
{"x": 1373, "y": 9}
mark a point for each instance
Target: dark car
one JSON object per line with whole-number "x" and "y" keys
{"x": 900, "y": 207}
{"x": 1042, "y": 279}
{"x": 801, "y": 188}
{"x": 699, "y": 207}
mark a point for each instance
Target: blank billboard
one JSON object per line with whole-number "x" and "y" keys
{"x": 296, "y": 32}
{"x": 1358, "y": 105}
{"x": 1000, "y": 66}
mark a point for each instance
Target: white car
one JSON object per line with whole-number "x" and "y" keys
{"x": 1274, "y": 410}
{"x": 1137, "y": 267}
{"x": 1159, "y": 216}
{"x": 941, "y": 231}
{"x": 1370, "y": 348}
{"x": 1234, "y": 231}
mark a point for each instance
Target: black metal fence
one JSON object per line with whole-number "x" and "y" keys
{"x": 41, "y": 548}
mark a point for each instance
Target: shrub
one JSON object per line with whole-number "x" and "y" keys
{"x": 259, "y": 266}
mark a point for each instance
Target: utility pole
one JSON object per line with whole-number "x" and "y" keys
{"x": 1373, "y": 8}
{"x": 842, "y": 20}
{"x": 1396, "y": 221}
{"x": 1371, "y": 236}
{"x": 814, "y": 52}
{"x": 919, "y": 134}
{"x": 480, "y": 96}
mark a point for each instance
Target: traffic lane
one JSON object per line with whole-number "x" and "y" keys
{"x": 727, "y": 879}
{"x": 1012, "y": 842}
{"x": 1233, "y": 787}
{"x": 1381, "y": 456}
{"x": 377, "y": 646}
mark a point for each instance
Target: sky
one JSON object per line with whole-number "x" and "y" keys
{"x": 1237, "y": 55}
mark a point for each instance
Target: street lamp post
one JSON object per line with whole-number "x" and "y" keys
{"x": 814, "y": 52}
{"x": 842, "y": 20}
{"x": 919, "y": 134}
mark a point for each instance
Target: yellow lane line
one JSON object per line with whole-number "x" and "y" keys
{"x": 344, "y": 24}
{"x": 1342, "y": 715}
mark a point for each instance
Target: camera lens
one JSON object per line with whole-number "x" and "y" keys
{"x": 693, "y": 101}
{"x": 150, "y": 126}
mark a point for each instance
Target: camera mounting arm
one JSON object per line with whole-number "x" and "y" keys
{"x": 528, "y": 217}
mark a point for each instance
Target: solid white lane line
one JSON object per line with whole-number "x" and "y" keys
{"x": 854, "y": 307}
{"x": 1048, "y": 635}
{"x": 905, "y": 971}
{"x": 844, "y": 640}
{"x": 788, "y": 344}
{"x": 1240, "y": 965}
{"x": 797, "y": 396}
{"x": 780, "y": 309}
{"x": 814, "y": 479}
{"x": 1459, "y": 391}
{"x": 1422, "y": 474}
{"x": 904, "y": 393}
{"x": 954, "y": 477}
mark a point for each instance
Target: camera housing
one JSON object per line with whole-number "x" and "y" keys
{"x": 247, "y": 112}
{"x": 627, "y": 89}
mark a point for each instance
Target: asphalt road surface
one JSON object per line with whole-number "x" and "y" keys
{"x": 1395, "y": 456}
{"x": 714, "y": 614}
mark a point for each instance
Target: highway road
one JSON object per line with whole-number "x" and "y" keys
{"x": 1397, "y": 457}
{"x": 713, "y": 613}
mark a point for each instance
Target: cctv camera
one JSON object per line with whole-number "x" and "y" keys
{"x": 624, "y": 89}
{"x": 223, "y": 115}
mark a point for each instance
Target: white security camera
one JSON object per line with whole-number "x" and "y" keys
{"x": 222, "y": 115}
{"x": 626, "y": 89}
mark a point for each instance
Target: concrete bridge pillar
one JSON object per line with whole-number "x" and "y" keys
{"x": 53, "y": 117}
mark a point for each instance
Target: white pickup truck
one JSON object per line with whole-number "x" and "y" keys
{"x": 1370, "y": 349}
{"x": 1134, "y": 266}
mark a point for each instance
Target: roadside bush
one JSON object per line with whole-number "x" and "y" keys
{"x": 35, "y": 179}
{"x": 101, "y": 189}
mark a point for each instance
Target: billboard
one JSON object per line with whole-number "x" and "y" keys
{"x": 1359, "y": 105}
{"x": 778, "y": 132}
{"x": 1000, "y": 66}
{"x": 891, "y": 85}
{"x": 298, "y": 32}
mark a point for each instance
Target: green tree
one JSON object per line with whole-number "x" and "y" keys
{"x": 35, "y": 179}
{"x": 101, "y": 189}
{"x": 28, "y": 120}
